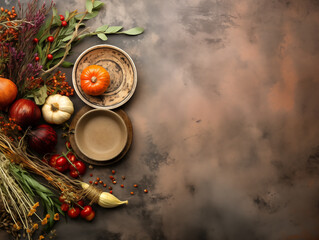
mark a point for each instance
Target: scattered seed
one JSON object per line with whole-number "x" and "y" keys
{"x": 114, "y": 182}
{"x": 91, "y": 175}
{"x": 113, "y": 171}
{"x": 111, "y": 177}
{"x": 123, "y": 177}
{"x": 135, "y": 185}
{"x": 122, "y": 185}
{"x": 101, "y": 181}
{"x": 111, "y": 192}
{"x": 110, "y": 188}
{"x": 90, "y": 182}
{"x": 90, "y": 167}
{"x": 104, "y": 185}
{"x": 132, "y": 193}
{"x": 145, "y": 190}
{"x": 95, "y": 182}
{"x": 97, "y": 179}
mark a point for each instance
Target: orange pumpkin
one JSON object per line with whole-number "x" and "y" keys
{"x": 94, "y": 80}
{"x": 8, "y": 92}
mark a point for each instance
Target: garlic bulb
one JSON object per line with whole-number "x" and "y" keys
{"x": 106, "y": 199}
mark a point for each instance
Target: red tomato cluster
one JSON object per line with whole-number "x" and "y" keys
{"x": 77, "y": 209}
{"x": 63, "y": 162}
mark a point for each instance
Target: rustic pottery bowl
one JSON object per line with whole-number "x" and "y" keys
{"x": 100, "y": 134}
{"x": 122, "y": 70}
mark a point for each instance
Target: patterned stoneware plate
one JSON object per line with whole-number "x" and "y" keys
{"x": 122, "y": 70}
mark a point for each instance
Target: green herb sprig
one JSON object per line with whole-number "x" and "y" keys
{"x": 65, "y": 36}
{"x": 34, "y": 188}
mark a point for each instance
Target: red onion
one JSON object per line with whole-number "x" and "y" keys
{"x": 25, "y": 112}
{"x": 43, "y": 139}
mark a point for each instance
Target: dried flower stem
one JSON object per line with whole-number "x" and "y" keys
{"x": 13, "y": 197}
{"x": 14, "y": 23}
{"x": 19, "y": 155}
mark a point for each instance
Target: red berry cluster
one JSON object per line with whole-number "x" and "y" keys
{"x": 10, "y": 128}
{"x": 58, "y": 84}
{"x": 7, "y": 31}
{"x": 33, "y": 83}
{"x": 63, "y": 23}
{"x": 50, "y": 39}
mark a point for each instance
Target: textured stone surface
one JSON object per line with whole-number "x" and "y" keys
{"x": 225, "y": 119}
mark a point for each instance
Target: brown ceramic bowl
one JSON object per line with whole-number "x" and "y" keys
{"x": 100, "y": 134}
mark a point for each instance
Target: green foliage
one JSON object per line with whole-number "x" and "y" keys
{"x": 39, "y": 95}
{"x": 67, "y": 36}
{"x": 134, "y": 31}
{"x": 66, "y": 64}
{"x": 89, "y": 6}
{"x": 34, "y": 188}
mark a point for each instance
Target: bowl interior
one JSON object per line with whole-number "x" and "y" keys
{"x": 100, "y": 134}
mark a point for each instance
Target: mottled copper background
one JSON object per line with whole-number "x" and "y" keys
{"x": 225, "y": 118}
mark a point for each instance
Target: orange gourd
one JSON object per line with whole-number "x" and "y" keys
{"x": 94, "y": 80}
{"x": 8, "y": 92}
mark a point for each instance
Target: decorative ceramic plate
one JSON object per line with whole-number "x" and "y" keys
{"x": 100, "y": 134}
{"x": 122, "y": 70}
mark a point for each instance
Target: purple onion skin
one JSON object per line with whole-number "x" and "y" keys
{"x": 43, "y": 139}
{"x": 25, "y": 112}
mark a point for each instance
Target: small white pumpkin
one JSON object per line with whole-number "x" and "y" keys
{"x": 57, "y": 109}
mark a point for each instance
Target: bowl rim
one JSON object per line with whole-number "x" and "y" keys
{"x": 109, "y": 112}
{"x": 128, "y": 97}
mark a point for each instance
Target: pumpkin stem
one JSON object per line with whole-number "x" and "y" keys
{"x": 93, "y": 79}
{"x": 54, "y": 107}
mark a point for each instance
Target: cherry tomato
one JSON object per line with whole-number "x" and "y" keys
{"x": 61, "y": 164}
{"x": 64, "y": 23}
{"x": 62, "y": 168}
{"x": 81, "y": 203}
{"x": 36, "y": 58}
{"x": 50, "y": 56}
{"x": 61, "y": 17}
{"x": 71, "y": 157}
{"x": 86, "y": 211}
{"x": 52, "y": 161}
{"x": 74, "y": 212}
{"x": 50, "y": 38}
{"x": 35, "y": 40}
{"x": 64, "y": 207}
{"x": 80, "y": 167}
{"x": 61, "y": 199}
{"x": 68, "y": 145}
{"x": 44, "y": 160}
{"x": 74, "y": 173}
{"x": 61, "y": 161}
{"x": 91, "y": 216}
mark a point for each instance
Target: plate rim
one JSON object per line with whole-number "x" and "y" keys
{"x": 109, "y": 112}
{"x": 125, "y": 100}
